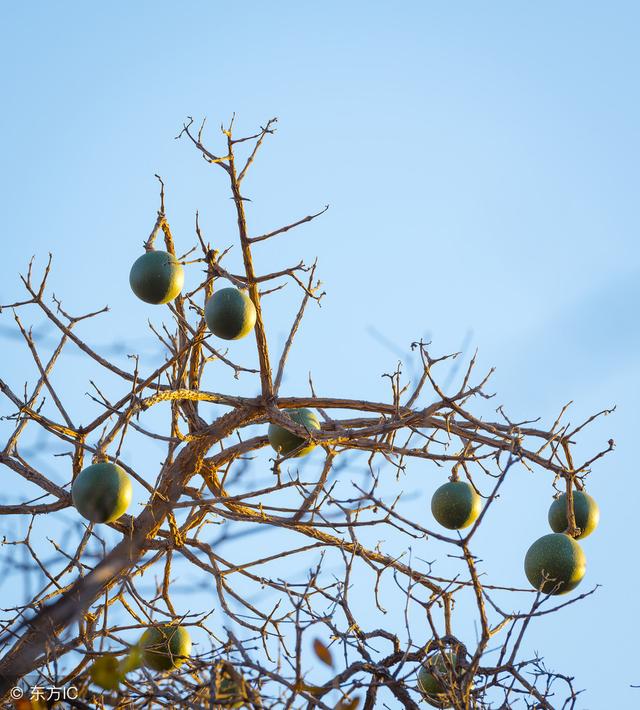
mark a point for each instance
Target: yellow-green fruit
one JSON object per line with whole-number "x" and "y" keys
{"x": 231, "y": 691}
{"x": 156, "y": 277}
{"x": 101, "y": 492}
{"x": 433, "y": 677}
{"x": 284, "y": 442}
{"x": 456, "y": 505}
{"x": 165, "y": 647}
{"x": 230, "y": 314}
{"x": 555, "y": 564}
{"x": 585, "y": 509}
{"x": 132, "y": 660}
{"x": 105, "y": 672}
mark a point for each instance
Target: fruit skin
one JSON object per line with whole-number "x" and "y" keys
{"x": 105, "y": 672}
{"x": 132, "y": 660}
{"x": 165, "y": 647}
{"x": 432, "y": 677}
{"x": 230, "y": 314}
{"x": 284, "y": 442}
{"x": 231, "y": 687}
{"x": 156, "y": 277}
{"x": 585, "y": 509}
{"x": 456, "y": 505}
{"x": 102, "y": 492}
{"x": 561, "y": 559}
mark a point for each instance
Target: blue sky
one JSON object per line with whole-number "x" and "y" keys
{"x": 481, "y": 163}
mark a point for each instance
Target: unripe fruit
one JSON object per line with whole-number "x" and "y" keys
{"x": 231, "y": 688}
{"x": 132, "y": 660}
{"x": 456, "y": 505}
{"x": 230, "y": 314}
{"x": 284, "y": 442}
{"x": 102, "y": 492}
{"x": 165, "y": 647}
{"x": 156, "y": 277}
{"x": 105, "y": 672}
{"x": 555, "y": 564}
{"x": 585, "y": 509}
{"x": 432, "y": 679}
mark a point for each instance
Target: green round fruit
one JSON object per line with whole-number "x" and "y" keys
{"x": 102, "y": 492}
{"x": 555, "y": 564}
{"x": 585, "y": 509}
{"x": 284, "y": 442}
{"x": 156, "y": 277}
{"x": 456, "y": 505}
{"x": 230, "y": 314}
{"x": 132, "y": 660}
{"x": 105, "y": 672}
{"x": 165, "y": 647}
{"x": 231, "y": 689}
{"x": 432, "y": 679}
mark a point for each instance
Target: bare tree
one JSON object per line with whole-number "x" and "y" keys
{"x": 302, "y": 604}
